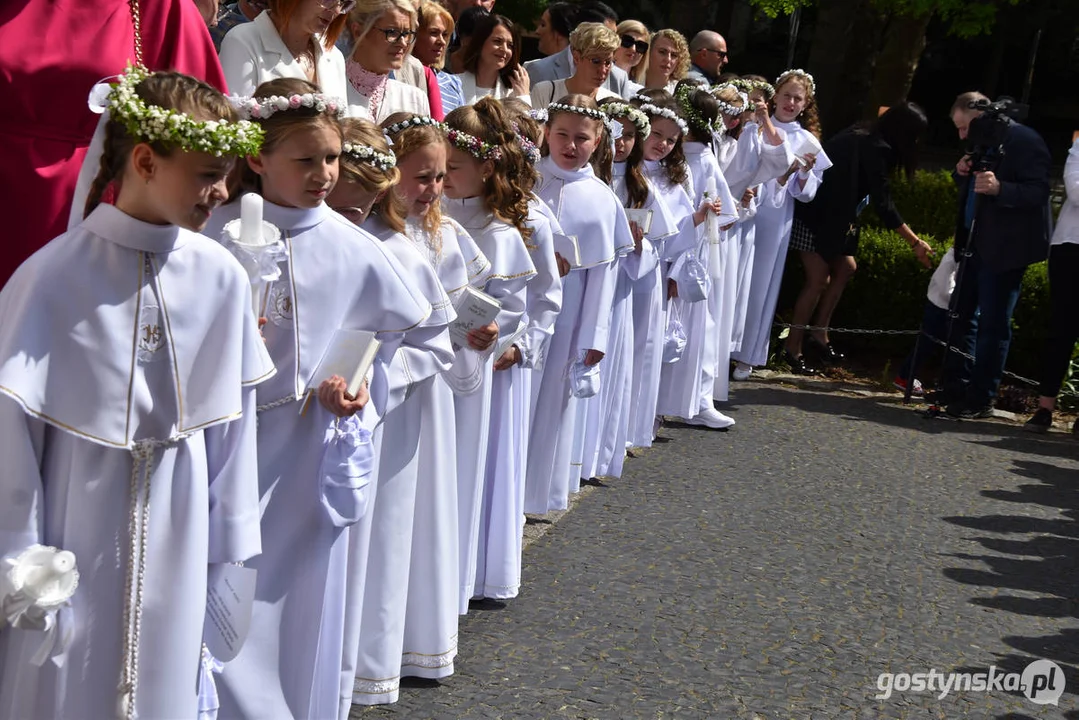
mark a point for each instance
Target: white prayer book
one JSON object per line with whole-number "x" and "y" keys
{"x": 504, "y": 343}
{"x": 568, "y": 247}
{"x": 808, "y": 143}
{"x": 475, "y": 309}
{"x": 642, "y": 217}
{"x": 350, "y": 355}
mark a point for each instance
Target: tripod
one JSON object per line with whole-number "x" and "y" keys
{"x": 936, "y": 410}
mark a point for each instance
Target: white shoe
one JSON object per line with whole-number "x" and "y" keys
{"x": 742, "y": 371}
{"x": 712, "y": 418}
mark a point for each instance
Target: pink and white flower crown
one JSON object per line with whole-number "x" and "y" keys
{"x": 253, "y": 108}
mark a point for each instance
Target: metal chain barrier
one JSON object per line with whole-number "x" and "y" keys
{"x": 937, "y": 341}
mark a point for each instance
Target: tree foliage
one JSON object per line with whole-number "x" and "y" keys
{"x": 965, "y": 18}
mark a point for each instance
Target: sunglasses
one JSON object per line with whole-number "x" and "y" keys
{"x": 638, "y": 45}
{"x": 722, "y": 54}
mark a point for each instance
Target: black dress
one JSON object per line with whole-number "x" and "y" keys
{"x": 861, "y": 163}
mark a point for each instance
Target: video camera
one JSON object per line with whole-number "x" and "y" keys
{"x": 987, "y": 131}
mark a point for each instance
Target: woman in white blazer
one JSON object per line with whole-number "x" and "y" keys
{"x": 383, "y": 32}
{"x": 292, "y": 39}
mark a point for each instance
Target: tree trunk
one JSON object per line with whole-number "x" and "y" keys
{"x": 866, "y": 36}
{"x": 904, "y": 41}
{"x": 828, "y": 53}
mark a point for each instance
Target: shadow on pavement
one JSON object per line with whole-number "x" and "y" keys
{"x": 1031, "y": 556}
{"x": 890, "y": 411}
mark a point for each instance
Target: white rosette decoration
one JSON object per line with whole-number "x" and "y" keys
{"x": 34, "y": 586}
{"x": 257, "y": 245}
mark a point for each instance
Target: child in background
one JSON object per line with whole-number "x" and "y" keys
{"x": 587, "y": 210}
{"x": 408, "y": 441}
{"x": 93, "y": 414}
{"x": 795, "y": 113}
{"x": 484, "y": 193}
{"x": 712, "y": 331}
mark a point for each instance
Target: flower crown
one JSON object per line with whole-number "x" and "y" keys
{"x": 748, "y": 86}
{"x": 587, "y": 112}
{"x": 691, "y": 113}
{"x": 727, "y": 108}
{"x": 539, "y": 115}
{"x": 255, "y": 108}
{"x": 654, "y": 111}
{"x": 364, "y": 153}
{"x": 532, "y": 153}
{"x": 414, "y": 121}
{"x": 635, "y": 116}
{"x": 787, "y": 74}
{"x": 473, "y": 145}
{"x": 154, "y": 123}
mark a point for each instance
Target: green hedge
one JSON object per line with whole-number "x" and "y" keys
{"x": 888, "y": 291}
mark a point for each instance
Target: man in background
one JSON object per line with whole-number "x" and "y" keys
{"x": 1002, "y": 227}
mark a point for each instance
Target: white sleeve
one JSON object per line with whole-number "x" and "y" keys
{"x": 240, "y": 65}
{"x": 232, "y": 459}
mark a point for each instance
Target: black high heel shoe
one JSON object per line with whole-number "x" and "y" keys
{"x": 798, "y": 364}
{"x": 825, "y": 352}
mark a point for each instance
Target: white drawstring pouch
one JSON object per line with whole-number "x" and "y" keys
{"x": 584, "y": 379}
{"x": 674, "y": 338}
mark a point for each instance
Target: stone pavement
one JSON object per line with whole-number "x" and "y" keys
{"x": 776, "y": 570}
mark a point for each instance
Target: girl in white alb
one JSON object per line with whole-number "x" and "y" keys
{"x": 483, "y": 195}
{"x": 793, "y": 104}
{"x": 124, "y": 440}
{"x": 591, "y": 214}
{"x": 381, "y": 545}
{"x": 334, "y": 276}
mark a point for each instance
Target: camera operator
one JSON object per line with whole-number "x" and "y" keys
{"x": 1003, "y": 220}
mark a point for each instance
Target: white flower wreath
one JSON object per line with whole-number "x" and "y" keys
{"x": 635, "y": 116}
{"x": 414, "y": 121}
{"x": 153, "y": 123}
{"x": 262, "y": 108}
{"x": 587, "y": 112}
{"x": 365, "y": 153}
{"x": 725, "y": 107}
{"x": 797, "y": 72}
{"x": 650, "y": 109}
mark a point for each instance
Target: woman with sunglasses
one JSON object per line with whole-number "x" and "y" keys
{"x": 492, "y": 62}
{"x": 382, "y": 35}
{"x": 667, "y": 61}
{"x": 593, "y": 46}
{"x": 633, "y": 47}
{"x": 292, "y": 39}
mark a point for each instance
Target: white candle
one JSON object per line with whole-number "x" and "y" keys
{"x": 251, "y": 219}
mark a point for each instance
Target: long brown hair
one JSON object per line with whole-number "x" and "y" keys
{"x": 503, "y": 195}
{"x": 169, "y": 90}
{"x": 360, "y": 131}
{"x": 636, "y": 185}
{"x": 519, "y": 115}
{"x": 470, "y": 55}
{"x": 674, "y": 165}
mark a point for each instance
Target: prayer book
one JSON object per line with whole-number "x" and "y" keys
{"x": 642, "y": 217}
{"x": 568, "y": 247}
{"x": 350, "y": 355}
{"x": 475, "y": 309}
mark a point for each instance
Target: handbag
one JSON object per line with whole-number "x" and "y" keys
{"x": 692, "y": 277}
{"x": 674, "y": 337}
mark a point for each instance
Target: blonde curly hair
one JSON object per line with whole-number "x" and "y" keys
{"x": 681, "y": 46}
